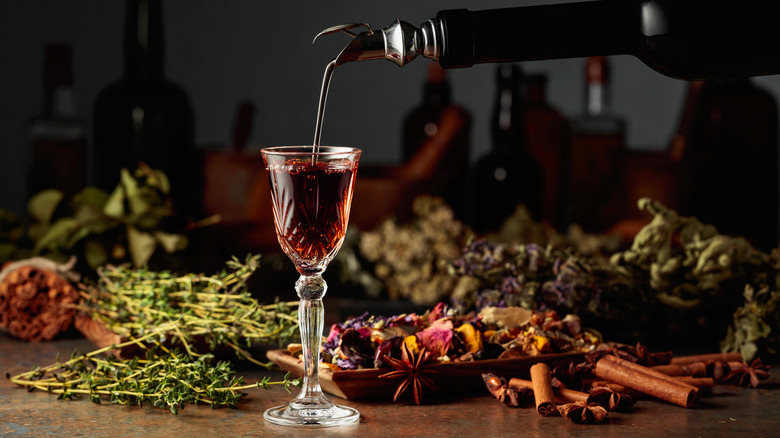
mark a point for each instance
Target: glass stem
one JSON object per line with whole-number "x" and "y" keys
{"x": 311, "y": 289}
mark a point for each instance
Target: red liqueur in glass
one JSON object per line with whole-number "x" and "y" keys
{"x": 311, "y": 202}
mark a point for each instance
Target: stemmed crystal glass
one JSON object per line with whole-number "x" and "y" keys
{"x": 311, "y": 194}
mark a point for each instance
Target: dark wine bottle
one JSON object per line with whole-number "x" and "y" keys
{"x": 143, "y": 117}
{"x": 507, "y": 176}
{"x": 686, "y": 39}
{"x": 597, "y": 148}
{"x": 58, "y": 137}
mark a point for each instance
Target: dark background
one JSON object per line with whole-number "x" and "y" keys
{"x": 221, "y": 52}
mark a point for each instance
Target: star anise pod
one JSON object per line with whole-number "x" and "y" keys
{"x": 582, "y": 413}
{"x": 649, "y": 359}
{"x": 622, "y": 351}
{"x": 720, "y": 369}
{"x": 410, "y": 368}
{"x": 613, "y": 401}
{"x": 753, "y": 373}
{"x": 637, "y": 354}
{"x": 508, "y": 395}
{"x": 571, "y": 377}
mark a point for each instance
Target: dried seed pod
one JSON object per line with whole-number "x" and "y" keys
{"x": 581, "y": 413}
{"x": 614, "y": 401}
{"x": 506, "y": 393}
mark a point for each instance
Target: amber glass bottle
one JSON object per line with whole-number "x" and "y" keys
{"x": 548, "y": 138}
{"x": 58, "y": 135}
{"x": 597, "y": 148}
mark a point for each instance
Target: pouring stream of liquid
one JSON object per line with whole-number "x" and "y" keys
{"x": 321, "y": 107}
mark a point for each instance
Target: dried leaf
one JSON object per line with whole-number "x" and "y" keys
{"x": 91, "y": 196}
{"x": 115, "y": 205}
{"x": 95, "y": 254}
{"x": 56, "y": 235}
{"x": 42, "y": 206}
{"x": 508, "y": 317}
{"x": 171, "y": 242}
{"x": 141, "y": 246}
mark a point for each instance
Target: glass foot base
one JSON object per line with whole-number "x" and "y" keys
{"x": 334, "y": 416}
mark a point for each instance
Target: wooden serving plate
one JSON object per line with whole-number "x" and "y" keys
{"x": 450, "y": 377}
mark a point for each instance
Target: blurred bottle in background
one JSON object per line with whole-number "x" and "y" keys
{"x": 548, "y": 136}
{"x": 597, "y": 148}
{"x": 143, "y": 117}
{"x": 423, "y": 127}
{"x": 58, "y": 135}
{"x": 508, "y": 175}
{"x": 727, "y": 150}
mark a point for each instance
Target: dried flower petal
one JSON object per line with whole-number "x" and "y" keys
{"x": 437, "y": 338}
{"x": 471, "y": 337}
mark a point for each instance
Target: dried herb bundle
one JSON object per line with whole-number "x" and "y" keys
{"x": 680, "y": 278}
{"x": 168, "y": 318}
{"x": 212, "y": 310}
{"x": 542, "y": 278}
{"x": 755, "y": 325}
{"x": 135, "y": 222}
{"x": 696, "y": 275}
{"x": 164, "y": 378}
{"x": 413, "y": 259}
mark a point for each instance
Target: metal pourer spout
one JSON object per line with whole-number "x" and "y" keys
{"x": 400, "y": 42}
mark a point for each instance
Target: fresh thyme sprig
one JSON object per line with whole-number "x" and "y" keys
{"x": 216, "y": 310}
{"x": 164, "y": 378}
{"x": 168, "y": 318}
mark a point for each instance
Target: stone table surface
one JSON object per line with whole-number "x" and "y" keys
{"x": 729, "y": 411}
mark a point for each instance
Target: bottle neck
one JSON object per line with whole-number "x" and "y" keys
{"x": 436, "y": 94}
{"x": 597, "y": 99}
{"x": 63, "y": 103}
{"x": 509, "y": 120}
{"x": 537, "y": 90}
{"x": 59, "y": 95}
{"x": 143, "y": 42}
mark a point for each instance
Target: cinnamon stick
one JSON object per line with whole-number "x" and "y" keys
{"x": 36, "y": 299}
{"x": 697, "y": 369}
{"x": 543, "y": 389}
{"x": 646, "y": 380}
{"x": 711, "y": 357}
{"x": 561, "y": 395}
{"x": 703, "y": 383}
